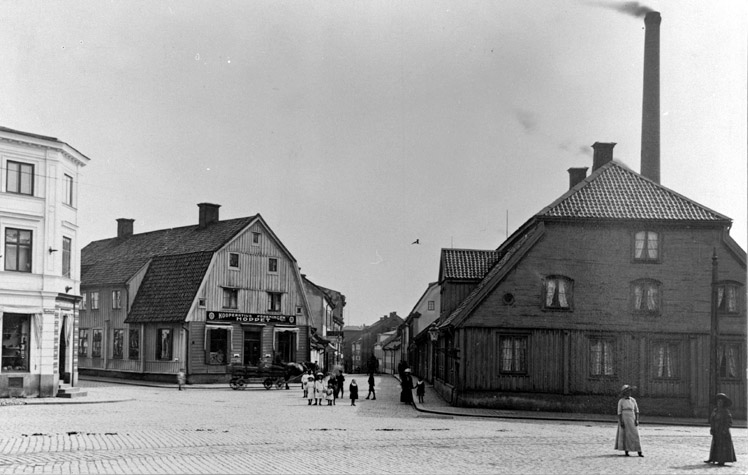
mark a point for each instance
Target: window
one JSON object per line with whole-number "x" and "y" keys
{"x": 67, "y": 247}
{"x": 118, "y": 343}
{"x": 201, "y": 303}
{"x": 727, "y": 297}
{"x": 218, "y": 345}
{"x": 20, "y": 178}
{"x": 68, "y": 198}
{"x": 727, "y": 360}
{"x": 256, "y": 238}
{"x": 95, "y": 300}
{"x": 432, "y": 305}
{"x": 666, "y": 358}
{"x": 601, "y": 356}
{"x": 274, "y": 301}
{"x": 513, "y": 354}
{"x": 18, "y": 250}
{"x": 163, "y": 344}
{"x": 230, "y": 297}
{"x": 234, "y": 260}
{"x": 557, "y": 293}
{"x": 15, "y": 356}
{"x": 116, "y": 299}
{"x": 646, "y": 296}
{"x": 646, "y": 246}
{"x": 134, "y": 344}
{"x": 84, "y": 296}
{"x": 272, "y": 265}
{"x": 83, "y": 343}
{"x": 299, "y": 310}
{"x": 286, "y": 346}
{"x": 96, "y": 347}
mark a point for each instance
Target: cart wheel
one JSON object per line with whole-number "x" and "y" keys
{"x": 242, "y": 384}
{"x": 268, "y": 383}
{"x": 279, "y": 383}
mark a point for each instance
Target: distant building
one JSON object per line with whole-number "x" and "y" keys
{"x": 196, "y": 297}
{"x": 418, "y": 349}
{"x": 39, "y": 178}
{"x": 352, "y": 356}
{"x": 370, "y": 343}
{"x": 610, "y": 284}
{"x": 326, "y": 323}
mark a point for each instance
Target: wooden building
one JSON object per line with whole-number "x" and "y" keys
{"x": 326, "y": 324}
{"x": 610, "y": 284}
{"x": 195, "y": 298}
{"x": 40, "y": 274}
{"x": 419, "y": 349}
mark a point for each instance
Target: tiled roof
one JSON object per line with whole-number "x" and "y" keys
{"x": 114, "y": 261}
{"x": 467, "y": 263}
{"x": 169, "y": 288}
{"x": 615, "y": 192}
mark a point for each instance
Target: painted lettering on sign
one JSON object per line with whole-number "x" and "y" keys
{"x": 215, "y": 316}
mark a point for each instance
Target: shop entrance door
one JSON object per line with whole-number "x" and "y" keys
{"x": 64, "y": 375}
{"x": 252, "y": 348}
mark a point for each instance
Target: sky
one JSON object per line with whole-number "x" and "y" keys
{"x": 355, "y": 128}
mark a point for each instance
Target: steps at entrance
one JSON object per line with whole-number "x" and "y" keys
{"x": 66, "y": 391}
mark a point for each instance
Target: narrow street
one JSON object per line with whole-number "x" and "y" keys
{"x": 139, "y": 429}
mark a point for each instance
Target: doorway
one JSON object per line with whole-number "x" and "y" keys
{"x": 252, "y": 348}
{"x": 64, "y": 375}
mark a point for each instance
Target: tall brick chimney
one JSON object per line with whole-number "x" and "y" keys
{"x": 603, "y": 153}
{"x": 576, "y": 175}
{"x": 208, "y": 214}
{"x": 124, "y": 227}
{"x": 650, "y": 160}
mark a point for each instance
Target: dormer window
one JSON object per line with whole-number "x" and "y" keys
{"x": 557, "y": 293}
{"x": 646, "y": 246}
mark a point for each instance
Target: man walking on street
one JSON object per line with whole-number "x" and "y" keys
{"x": 371, "y": 387}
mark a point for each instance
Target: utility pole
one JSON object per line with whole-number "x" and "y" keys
{"x": 714, "y": 337}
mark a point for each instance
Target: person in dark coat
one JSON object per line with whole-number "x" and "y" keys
{"x": 353, "y": 392}
{"x": 722, "y": 450}
{"x": 406, "y": 394}
{"x": 420, "y": 390}
{"x": 340, "y": 380}
{"x": 371, "y": 387}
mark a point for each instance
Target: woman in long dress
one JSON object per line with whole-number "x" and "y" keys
{"x": 722, "y": 450}
{"x": 627, "y": 438}
{"x": 406, "y": 393}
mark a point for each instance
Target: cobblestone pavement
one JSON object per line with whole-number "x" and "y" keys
{"x": 217, "y": 430}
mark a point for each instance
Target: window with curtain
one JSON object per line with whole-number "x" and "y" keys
{"x": 602, "y": 354}
{"x": 95, "y": 300}
{"x": 646, "y": 296}
{"x": 67, "y": 249}
{"x": 133, "y": 340}
{"x": 96, "y": 344}
{"x": 513, "y": 351}
{"x": 727, "y": 297}
{"x": 83, "y": 343}
{"x": 118, "y": 343}
{"x": 557, "y": 293}
{"x": 274, "y": 301}
{"x": 646, "y": 246}
{"x": 666, "y": 356}
{"x": 218, "y": 345}
{"x": 728, "y": 359}
{"x": 163, "y": 344}
{"x": 286, "y": 344}
{"x": 230, "y": 297}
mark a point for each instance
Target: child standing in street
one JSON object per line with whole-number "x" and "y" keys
{"x": 181, "y": 378}
{"x": 420, "y": 390}
{"x": 319, "y": 389}
{"x": 330, "y": 394}
{"x": 353, "y": 392}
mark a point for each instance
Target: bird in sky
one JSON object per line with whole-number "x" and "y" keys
{"x": 379, "y": 258}
{"x": 417, "y": 241}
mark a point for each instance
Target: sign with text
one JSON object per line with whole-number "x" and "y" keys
{"x": 215, "y": 316}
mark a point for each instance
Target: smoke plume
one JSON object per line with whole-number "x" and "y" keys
{"x": 635, "y": 9}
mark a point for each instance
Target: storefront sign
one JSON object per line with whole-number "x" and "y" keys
{"x": 214, "y": 316}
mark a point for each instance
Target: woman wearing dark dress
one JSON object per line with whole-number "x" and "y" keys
{"x": 722, "y": 450}
{"x": 406, "y": 394}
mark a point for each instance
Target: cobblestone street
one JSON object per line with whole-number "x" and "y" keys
{"x": 217, "y": 430}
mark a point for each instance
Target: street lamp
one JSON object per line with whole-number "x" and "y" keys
{"x": 434, "y": 334}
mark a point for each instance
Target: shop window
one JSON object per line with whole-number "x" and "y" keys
{"x": 646, "y": 246}
{"x": 83, "y": 343}
{"x": 557, "y": 293}
{"x": 727, "y": 297}
{"x": 116, "y": 299}
{"x": 728, "y": 360}
{"x": 163, "y": 344}
{"x": 20, "y": 178}
{"x": 286, "y": 344}
{"x": 230, "y": 297}
{"x": 18, "y": 249}
{"x": 133, "y": 339}
{"x": 233, "y": 260}
{"x": 513, "y": 354}
{"x": 274, "y": 301}
{"x": 272, "y": 264}
{"x": 118, "y": 344}
{"x": 68, "y": 198}
{"x": 95, "y": 300}
{"x": 602, "y": 354}
{"x": 666, "y": 359}
{"x": 218, "y": 340}
{"x": 96, "y": 344}
{"x": 15, "y": 356}
{"x": 646, "y": 297}
{"x": 67, "y": 247}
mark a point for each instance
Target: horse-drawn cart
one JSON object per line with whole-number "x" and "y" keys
{"x": 278, "y": 375}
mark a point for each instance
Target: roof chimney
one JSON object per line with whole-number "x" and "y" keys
{"x": 208, "y": 214}
{"x": 603, "y": 153}
{"x": 124, "y": 228}
{"x": 576, "y": 175}
{"x": 650, "y": 164}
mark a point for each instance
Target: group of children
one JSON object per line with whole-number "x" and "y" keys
{"x": 316, "y": 388}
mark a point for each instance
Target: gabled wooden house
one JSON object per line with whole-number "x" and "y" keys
{"x": 195, "y": 298}
{"x": 610, "y": 284}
